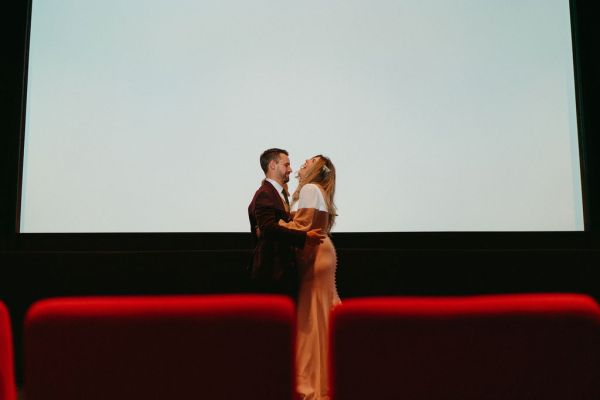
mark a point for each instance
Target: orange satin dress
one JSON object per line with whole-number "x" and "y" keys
{"x": 317, "y": 295}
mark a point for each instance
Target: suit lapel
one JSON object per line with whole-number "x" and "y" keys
{"x": 273, "y": 191}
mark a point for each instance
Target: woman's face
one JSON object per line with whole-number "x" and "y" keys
{"x": 304, "y": 168}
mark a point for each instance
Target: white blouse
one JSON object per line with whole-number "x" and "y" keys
{"x": 310, "y": 197}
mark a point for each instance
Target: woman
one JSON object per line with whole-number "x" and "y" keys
{"x": 314, "y": 208}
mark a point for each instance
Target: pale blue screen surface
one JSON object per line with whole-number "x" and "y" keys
{"x": 150, "y": 116}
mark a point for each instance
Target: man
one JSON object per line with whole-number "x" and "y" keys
{"x": 273, "y": 267}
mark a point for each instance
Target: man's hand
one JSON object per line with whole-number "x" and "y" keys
{"x": 314, "y": 236}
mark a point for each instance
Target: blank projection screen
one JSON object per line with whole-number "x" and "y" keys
{"x": 150, "y": 116}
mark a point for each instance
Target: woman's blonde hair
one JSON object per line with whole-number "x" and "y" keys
{"x": 322, "y": 173}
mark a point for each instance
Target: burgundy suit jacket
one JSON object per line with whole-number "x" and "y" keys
{"x": 273, "y": 266}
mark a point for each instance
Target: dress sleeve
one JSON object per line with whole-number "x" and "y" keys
{"x": 308, "y": 204}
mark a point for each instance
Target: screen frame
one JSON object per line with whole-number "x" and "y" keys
{"x": 367, "y": 240}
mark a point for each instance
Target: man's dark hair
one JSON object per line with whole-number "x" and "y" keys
{"x": 269, "y": 155}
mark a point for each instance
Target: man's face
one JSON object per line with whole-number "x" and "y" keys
{"x": 283, "y": 168}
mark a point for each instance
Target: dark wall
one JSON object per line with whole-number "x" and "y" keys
{"x": 38, "y": 266}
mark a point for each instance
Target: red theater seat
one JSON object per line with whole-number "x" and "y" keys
{"x": 7, "y": 380}
{"x": 163, "y": 347}
{"x": 543, "y": 346}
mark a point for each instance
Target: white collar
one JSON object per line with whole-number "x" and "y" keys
{"x": 276, "y": 185}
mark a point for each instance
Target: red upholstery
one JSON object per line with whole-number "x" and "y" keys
{"x": 163, "y": 347}
{"x": 543, "y": 346}
{"x": 7, "y": 379}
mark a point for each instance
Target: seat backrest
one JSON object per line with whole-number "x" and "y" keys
{"x": 7, "y": 378}
{"x": 160, "y": 347}
{"x": 536, "y": 346}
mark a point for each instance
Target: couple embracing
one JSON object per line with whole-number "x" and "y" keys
{"x": 294, "y": 255}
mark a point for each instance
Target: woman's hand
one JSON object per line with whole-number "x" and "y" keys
{"x": 315, "y": 236}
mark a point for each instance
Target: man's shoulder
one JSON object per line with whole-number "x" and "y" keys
{"x": 264, "y": 189}
{"x": 266, "y": 192}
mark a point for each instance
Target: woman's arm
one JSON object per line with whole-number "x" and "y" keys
{"x": 268, "y": 227}
{"x": 308, "y": 205}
